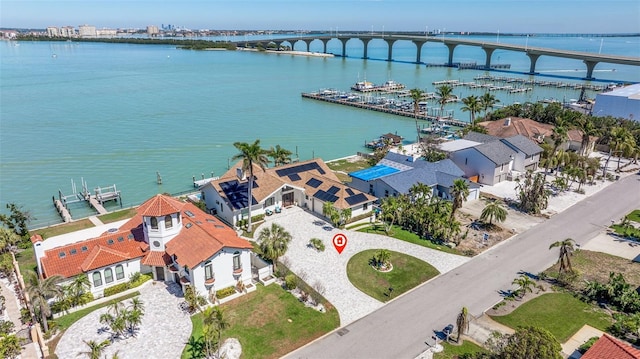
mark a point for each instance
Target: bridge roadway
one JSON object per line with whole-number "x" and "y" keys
{"x": 590, "y": 59}
{"x": 400, "y": 328}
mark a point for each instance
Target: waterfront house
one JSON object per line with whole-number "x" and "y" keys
{"x": 172, "y": 240}
{"x": 396, "y": 173}
{"x": 309, "y": 184}
{"x": 536, "y": 131}
{"x": 489, "y": 159}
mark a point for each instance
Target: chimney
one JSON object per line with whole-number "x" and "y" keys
{"x": 240, "y": 174}
{"x": 507, "y": 122}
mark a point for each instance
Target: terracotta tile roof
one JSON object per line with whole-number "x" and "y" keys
{"x": 108, "y": 249}
{"x": 160, "y": 205}
{"x": 156, "y": 259}
{"x": 608, "y": 347}
{"x": 36, "y": 238}
{"x": 202, "y": 236}
{"x": 511, "y": 126}
{"x": 272, "y": 179}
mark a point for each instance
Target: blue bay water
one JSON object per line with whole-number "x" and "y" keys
{"x": 117, "y": 113}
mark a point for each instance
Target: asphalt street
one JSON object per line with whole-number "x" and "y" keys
{"x": 403, "y": 327}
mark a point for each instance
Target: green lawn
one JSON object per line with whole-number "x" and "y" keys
{"x": 67, "y": 320}
{"x": 560, "y": 313}
{"x": 270, "y": 322}
{"x": 403, "y": 235}
{"x": 26, "y": 259}
{"x": 347, "y": 166}
{"x": 408, "y": 272}
{"x": 634, "y": 216}
{"x": 53, "y": 231}
{"x": 452, "y": 351}
{"x": 117, "y": 216}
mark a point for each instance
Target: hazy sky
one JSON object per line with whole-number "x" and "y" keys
{"x": 564, "y": 16}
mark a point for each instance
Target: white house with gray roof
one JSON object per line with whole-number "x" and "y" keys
{"x": 489, "y": 159}
{"x": 396, "y": 174}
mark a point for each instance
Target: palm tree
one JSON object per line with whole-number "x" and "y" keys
{"x": 459, "y": 192}
{"x": 525, "y": 285}
{"x": 194, "y": 300}
{"x": 622, "y": 141}
{"x": 559, "y": 135}
{"x": 566, "y": 250}
{"x": 416, "y": 96}
{"x": 279, "y": 155}
{"x": 493, "y": 210}
{"x": 588, "y": 129}
{"x": 78, "y": 288}
{"x": 445, "y": 92}
{"x": 331, "y": 212}
{"x": 473, "y": 105}
{"x": 213, "y": 320}
{"x": 488, "y": 101}
{"x": 390, "y": 207}
{"x": 382, "y": 257}
{"x": 40, "y": 291}
{"x": 250, "y": 154}
{"x": 274, "y": 242}
{"x": 95, "y": 348}
{"x": 462, "y": 322}
{"x": 8, "y": 240}
{"x": 345, "y": 215}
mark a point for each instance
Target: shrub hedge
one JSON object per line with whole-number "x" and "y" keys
{"x": 225, "y": 292}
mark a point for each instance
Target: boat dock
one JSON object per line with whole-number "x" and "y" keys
{"x": 381, "y": 104}
{"x": 538, "y": 82}
{"x": 96, "y": 201}
{"x": 201, "y": 182}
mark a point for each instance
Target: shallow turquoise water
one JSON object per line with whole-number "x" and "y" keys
{"x": 117, "y": 113}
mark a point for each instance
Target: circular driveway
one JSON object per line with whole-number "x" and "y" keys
{"x": 163, "y": 332}
{"x": 328, "y": 268}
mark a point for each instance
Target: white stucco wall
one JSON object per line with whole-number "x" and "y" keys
{"x": 222, "y": 264}
{"x": 130, "y": 267}
{"x": 473, "y": 163}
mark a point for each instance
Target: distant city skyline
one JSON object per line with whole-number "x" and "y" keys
{"x": 534, "y": 16}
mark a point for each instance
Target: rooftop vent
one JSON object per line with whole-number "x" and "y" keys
{"x": 507, "y": 122}
{"x": 61, "y": 255}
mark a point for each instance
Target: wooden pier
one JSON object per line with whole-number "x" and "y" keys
{"x": 358, "y": 102}
{"x": 96, "y": 201}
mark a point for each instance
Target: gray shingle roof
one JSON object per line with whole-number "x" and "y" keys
{"x": 496, "y": 151}
{"x": 523, "y": 144}
{"x": 480, "y": 137}
{"x": 423, "y": 172}
{"x": 446, "y": 180}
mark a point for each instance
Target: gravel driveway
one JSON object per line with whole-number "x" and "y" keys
{"x": 328, "y": 268}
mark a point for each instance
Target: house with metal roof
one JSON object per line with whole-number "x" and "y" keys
{"x": 309, "y": 184}
{"x": 396, "y": 173}
{"x": 172, "y": 240}
{"x": 492, "y": 159}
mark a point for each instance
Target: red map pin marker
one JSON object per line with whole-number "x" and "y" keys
{"x": 339, "y": 241}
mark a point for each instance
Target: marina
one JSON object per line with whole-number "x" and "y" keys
{"x": 393, "y": 106}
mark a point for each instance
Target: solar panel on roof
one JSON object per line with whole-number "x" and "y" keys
{"x": 333, "y": 190}
{"x": 314, "y": 182}
{"x": 359, "y": 198}
{"x": 299, "y": 168}
{"x": 294, "y": 177}
{"x": 325, "y": 197}
{"x": 350, "y": 192}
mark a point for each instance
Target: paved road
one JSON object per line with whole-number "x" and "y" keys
{"x": 400, "y": 329}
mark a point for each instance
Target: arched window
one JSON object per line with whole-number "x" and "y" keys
{"x": 119, "y": 272}
{"x": 97, "y": 279}
{"x": 154, "y": 223}
{"x": 168, "y": 223}
{"x": 108, "y": 275}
